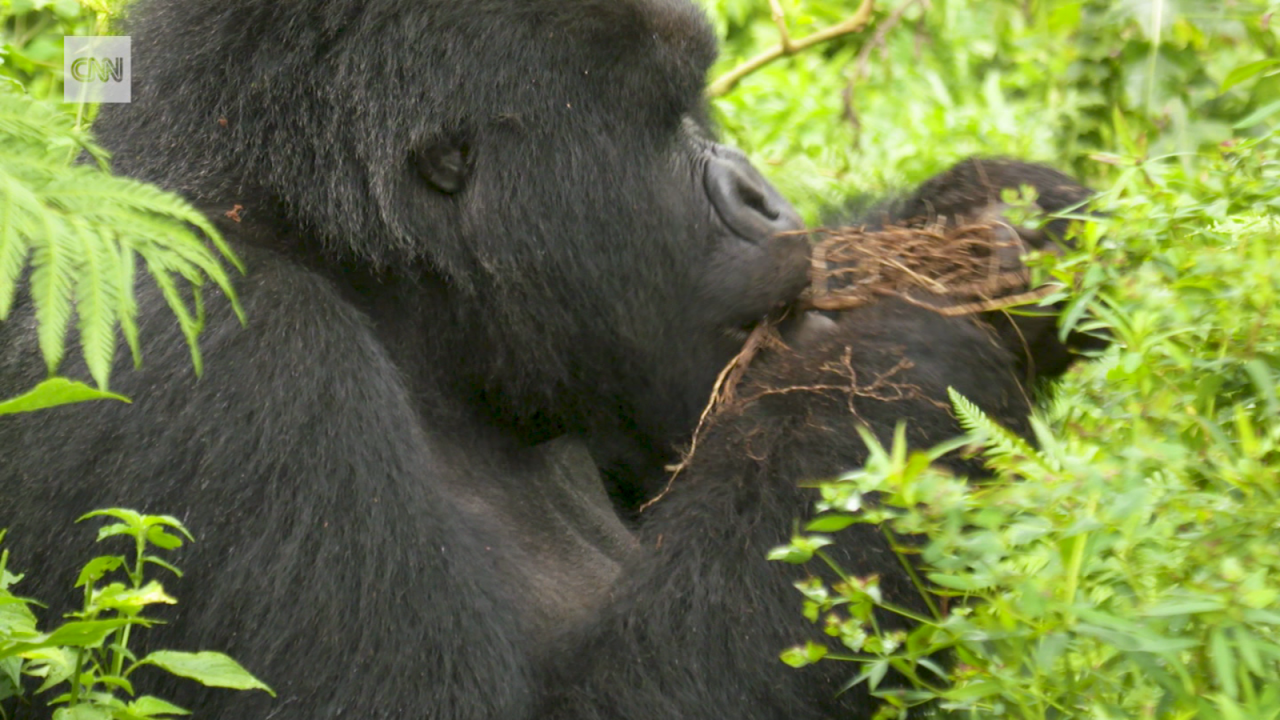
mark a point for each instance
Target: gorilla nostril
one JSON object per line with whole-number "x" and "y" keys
{"x": 747, "y": 204}
{"x": 753, "y": 197}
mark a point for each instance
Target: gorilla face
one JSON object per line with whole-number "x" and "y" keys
{"x": 539, "y": 170}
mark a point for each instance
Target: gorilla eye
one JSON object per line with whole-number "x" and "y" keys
{"x": 444, "y": 165}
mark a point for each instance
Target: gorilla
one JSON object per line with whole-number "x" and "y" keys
{"x": 493, "y": 248}
{"x": 696, "y": 622}
{"x": 496, "y": 260}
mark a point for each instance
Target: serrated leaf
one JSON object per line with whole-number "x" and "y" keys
{"x": 1001, "y": 442}
{"x": 96, "y": 568}
{"x": 212, "y": 669}
{"x": 97, "y": 303}
{"x": 52, "y": 279}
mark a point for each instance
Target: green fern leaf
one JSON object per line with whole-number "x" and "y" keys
{"x": 97, "y": 302}
{"x": 13, "y": 246}
{"x": 52, "y": 280}
{"x": 127, "y": 309}
{"x": 1002, "y": 444}
{"x": 189, "y": 324}
{"x": 82, "y": 231}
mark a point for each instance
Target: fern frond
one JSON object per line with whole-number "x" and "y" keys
{"x": 190, "y": 325}
{"x": 97, "y": 301}
{"x": 52, "y": 280}
{"x": 127, "y": 310}
{"x": 14, "y": 227}
{"x": 82, "y": 230}
{"x": 1001, "y": 443}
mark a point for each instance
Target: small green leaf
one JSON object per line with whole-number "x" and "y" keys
{"x": 83, "y": 711}
{"x": 80, "y": 633}
{"x": 831, "y": 522}
{"x": 955, "y": 582}
{"x": 212, "y": 669}
{"x": 53, "y": 393}
{"x": 798, "y": 657}
{"x": 161, "y": 539}
{"x": 149, "y": 706}
{"x": 1246, "y": 72}
{"x": 98, "y": 567}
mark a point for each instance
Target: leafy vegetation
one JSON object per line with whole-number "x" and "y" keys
{"x": 1127, "y": 567}
{"x": 87, "y": 658}
{"x": 929, "y": 82}
{"x": 70, "y": 235}
{"x": 79, "y": 228}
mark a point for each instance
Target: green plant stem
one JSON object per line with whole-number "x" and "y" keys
{"x": 911, "y": 571}
{"x": 895, "y": 609}
{"x": 135, "y": 579}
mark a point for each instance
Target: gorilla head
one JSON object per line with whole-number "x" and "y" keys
{"x": 537, "y": 176}
{"x": 492, "y": 249}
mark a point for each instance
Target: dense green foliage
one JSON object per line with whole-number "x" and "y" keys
{"x": 928, "y": 83}
{"x": 87, "y": 658}
{"x": 1129, "y": 566}
{"x": 81, "y": 229}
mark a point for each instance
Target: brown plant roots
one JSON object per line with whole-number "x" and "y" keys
{"x": 962, "y": 270}
{"x": 965, "y": 269}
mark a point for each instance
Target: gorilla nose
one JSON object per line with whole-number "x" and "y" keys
{"x": 746, "y": 202}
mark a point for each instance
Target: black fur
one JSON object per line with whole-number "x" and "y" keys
{"x": 493, "y": 254}
{"x": 698, "y": 619}
{"x": 482, "y": 249}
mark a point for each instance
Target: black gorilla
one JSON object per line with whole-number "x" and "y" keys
{"x": 494, "y": 255}
{"x": 486, "y": 240}
{"x": 697, "y": 620}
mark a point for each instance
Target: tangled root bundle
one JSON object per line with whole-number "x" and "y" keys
{"x": 958, "y": 270}
{"x": 953, "y": 270}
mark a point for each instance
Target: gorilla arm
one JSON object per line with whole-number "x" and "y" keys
{"x": 701, "y": 616}
{"x": 329, "y": 559}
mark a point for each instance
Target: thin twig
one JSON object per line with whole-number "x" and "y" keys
{"x": 787, "y": 46}
{"x": 882, "y": 33}
{"x": 987, "y": 305}
{"x": 780, "y": 19}
{"x": 763, "y": 336}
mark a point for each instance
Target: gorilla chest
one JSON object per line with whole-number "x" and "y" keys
{"x": 550, "y": 531}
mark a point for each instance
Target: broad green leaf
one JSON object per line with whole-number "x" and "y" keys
{"x": 831, "y": 522}
{"x": 1247, "y": 71}
{"x": 148, "y": 706}
{"x": 55, "y": 392}
{"x": 208, "y": 668}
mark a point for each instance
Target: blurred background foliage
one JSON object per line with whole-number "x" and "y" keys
{"x": 931, "y": 81}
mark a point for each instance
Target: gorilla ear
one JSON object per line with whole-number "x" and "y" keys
{"x": 444, "y": 164}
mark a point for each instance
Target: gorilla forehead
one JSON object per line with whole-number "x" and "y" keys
{"x": 667, "y": 43}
